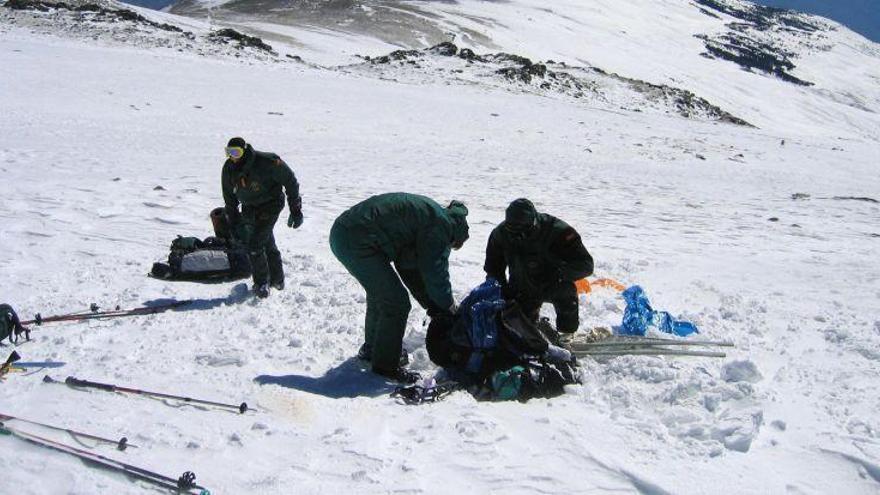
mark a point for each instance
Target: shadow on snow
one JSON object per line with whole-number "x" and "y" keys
{"x": 347, "y": 380}
{"x": 239, "y": 294}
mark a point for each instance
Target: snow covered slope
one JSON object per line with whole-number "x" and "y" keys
{"x": 659, "y": 41}
{"x": 111, "y": 145}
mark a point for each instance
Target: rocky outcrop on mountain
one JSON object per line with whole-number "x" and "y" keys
{"x": 762, "y": 17}
{"x": 97, "y": 12}
{"x": 108, "y": 21}
{"x": 445, "y": 62}
{"x": 244, "y": 41}
{"x": 751, "y": 39}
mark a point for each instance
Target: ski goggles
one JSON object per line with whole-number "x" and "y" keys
{"x": 234, "y": 152}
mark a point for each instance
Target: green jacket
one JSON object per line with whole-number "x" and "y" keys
{"x": 414, "y": 232}
{"x": 257, "y": 180}
{"x": 552, "y": 254}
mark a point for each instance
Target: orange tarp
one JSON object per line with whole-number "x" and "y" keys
{"x": 584, "y": 286}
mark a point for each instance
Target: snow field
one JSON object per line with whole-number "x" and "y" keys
{"x": 792, "y": 409}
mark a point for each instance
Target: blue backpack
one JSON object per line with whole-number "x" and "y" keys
{"x": 477, "y": 325}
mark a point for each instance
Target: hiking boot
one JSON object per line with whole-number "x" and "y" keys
{"x": 261, "y": 291}
{"x": 400, "y": 375}
{"x": 278, "y": 285}
{"x": 365, "y": 353}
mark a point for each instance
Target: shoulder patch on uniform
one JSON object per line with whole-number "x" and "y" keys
{"x": 570, "y": 236}
{"x": 278, "y": 161}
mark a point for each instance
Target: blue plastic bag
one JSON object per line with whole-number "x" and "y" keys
{"x": 639, "y": 315}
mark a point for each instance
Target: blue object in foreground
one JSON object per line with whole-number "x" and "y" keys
{"x": 477, "y": 313}
{"x": 639, "y": 315}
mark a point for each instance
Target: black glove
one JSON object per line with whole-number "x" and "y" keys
{"x": 296, "y": 217}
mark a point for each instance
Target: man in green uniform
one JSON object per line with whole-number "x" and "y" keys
{"x": 544, "y": 257}
{"x": 393, "y": 237}
{"x": 254, "y": 179}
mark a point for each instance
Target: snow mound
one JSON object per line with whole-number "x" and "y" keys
{"x": 741, "y": 371}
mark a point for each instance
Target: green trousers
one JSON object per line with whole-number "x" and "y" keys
{"x": 388, "y": 303}
{"x": 259, "y": 223}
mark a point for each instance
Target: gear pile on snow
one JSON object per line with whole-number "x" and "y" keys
{"x": 215, "y": 259}
{"x": 494, "y": 351}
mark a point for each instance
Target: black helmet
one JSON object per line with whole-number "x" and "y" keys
{"x": 521, "y": 216}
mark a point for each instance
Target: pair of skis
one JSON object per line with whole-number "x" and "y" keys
{"x": 649, "y": 346}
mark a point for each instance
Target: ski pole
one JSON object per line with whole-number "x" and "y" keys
{"x": 76, "y": 382}
{"x": 13, "y": 327}
{"x": 648, "y": 352}
{"x": 94, "y": 314}
{"x": 120, "y": 444}
{"x": 184, "y": 484}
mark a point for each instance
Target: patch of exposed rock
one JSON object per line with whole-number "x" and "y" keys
{"x": 756, "y": 39}
{"x": 550, "y": 78}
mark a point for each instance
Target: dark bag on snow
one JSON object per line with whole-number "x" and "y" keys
{"x": 495, "y": 350}
{"x": 530, "y": 380}
{"x": 10, "y": 325}
{"x": 210, "y": 260}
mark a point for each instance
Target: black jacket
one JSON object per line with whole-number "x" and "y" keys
{"x": 551, "y": 254}
{"x": 257, "y": 180}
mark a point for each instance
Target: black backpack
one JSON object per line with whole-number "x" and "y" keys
{"x": 10, "y": 325}
{"x": 216, "y": 259}
{"x": 211, "y": 260}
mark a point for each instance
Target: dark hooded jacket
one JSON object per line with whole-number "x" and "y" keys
{"x": 552, "y": 253}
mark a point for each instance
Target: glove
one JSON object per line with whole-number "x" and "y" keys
{"x": 296, "y": 217}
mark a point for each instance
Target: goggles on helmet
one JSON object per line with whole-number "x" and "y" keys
{"x": 234, "y": 152}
